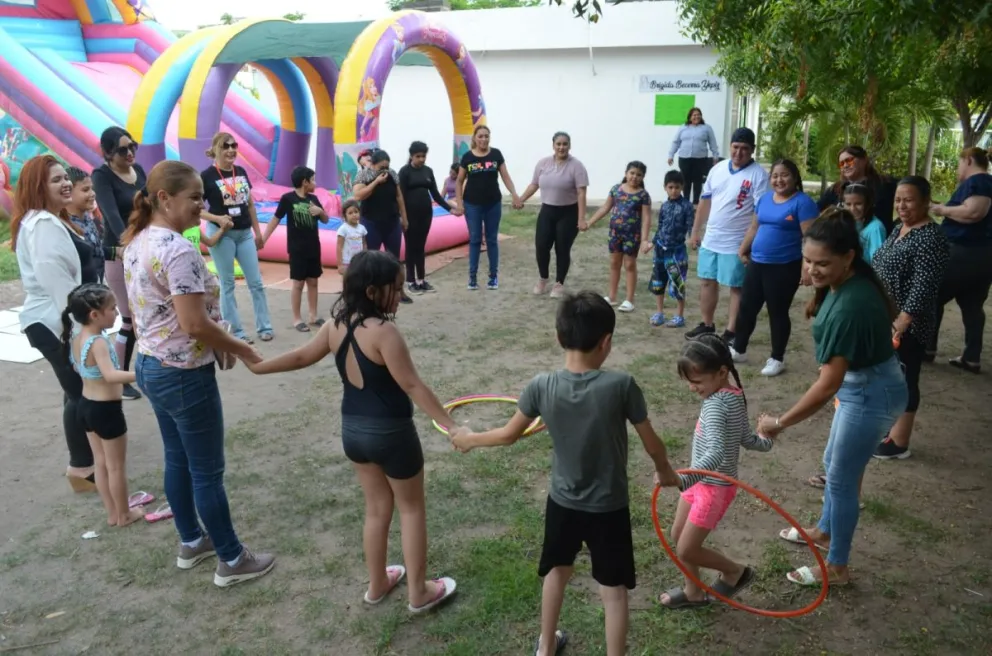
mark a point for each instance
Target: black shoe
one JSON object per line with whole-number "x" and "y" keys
{"x": 406, "y": 299}
{"x": 427, "y": 287}
{"x": 889, "y": 450}
{"x": 728, "y": 337}
{"x": 701, "y": 329}
{"x": 414, "y": 288}
{"x": 129, "y": 393}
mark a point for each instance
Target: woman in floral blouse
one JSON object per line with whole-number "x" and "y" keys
{"x": 911, "y": 263}
{"x": 176, "y": 312}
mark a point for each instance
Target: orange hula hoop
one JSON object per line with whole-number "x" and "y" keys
{"x": 777, "y": 508}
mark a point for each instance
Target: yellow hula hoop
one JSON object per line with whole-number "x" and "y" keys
{"x": 536, "y": 426}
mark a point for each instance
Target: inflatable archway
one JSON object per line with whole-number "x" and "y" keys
{"x": 358, "y": 97}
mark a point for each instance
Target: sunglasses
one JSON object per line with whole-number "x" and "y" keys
{"x": 847, "y": 161}
{"x": 129, "y": 149}
{"x": 230, "y": 145}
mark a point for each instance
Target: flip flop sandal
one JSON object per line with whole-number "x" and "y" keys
{"x": 444, "y": 592}
{"x": 319, "y": 322}
{"x": 395, "y": 574}
{"x": 792, "y": 535}
{"x": 266, "y": 337}
{"x": 561, "y": 639}
{"x": 678, "y": 601}
{"x": 140, "y": 498}
{"x": 819, "y": 481}
{"x": 804, "y": 577}
{"x": 302, "y": 327}
{"x": 161, "y": 513}
{"x": 246, "y": 339}
{"x": 731, "y": 591}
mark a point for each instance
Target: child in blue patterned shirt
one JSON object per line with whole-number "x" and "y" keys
{"x": 671, "y": 259}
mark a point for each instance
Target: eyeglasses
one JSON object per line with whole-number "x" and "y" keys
{"x": 847, "y": 161}
{"x": 230, "y": 145}
{"x": 124, "y": 151}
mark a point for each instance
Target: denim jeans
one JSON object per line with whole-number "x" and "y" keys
{"x": 871, "y": 400}
{"x": 240, "y": 245}
{"x": 191, "y": 418}
{"x": 483, "y": 219}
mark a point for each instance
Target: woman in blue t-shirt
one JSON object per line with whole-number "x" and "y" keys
{"x": 773, "y": 252}
{"x": 967, "y": 226}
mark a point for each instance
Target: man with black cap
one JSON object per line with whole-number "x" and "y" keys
{"x": 726, "y": 208}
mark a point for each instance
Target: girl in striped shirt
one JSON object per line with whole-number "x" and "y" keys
{"x": 721, "y": 431}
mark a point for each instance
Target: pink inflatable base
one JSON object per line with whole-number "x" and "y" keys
{"x": 447, "y": 231}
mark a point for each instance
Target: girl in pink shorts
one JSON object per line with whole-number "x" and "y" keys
{"x": 721, "y": 431}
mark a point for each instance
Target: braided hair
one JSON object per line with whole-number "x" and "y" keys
{"x": 707, "y": 354}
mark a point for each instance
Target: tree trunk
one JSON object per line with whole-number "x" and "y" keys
{"x": 928, "y": 155}
{"x": 973, "y": 124}
{"x": 912, "y": 145}
{"x": 806, "y": 143}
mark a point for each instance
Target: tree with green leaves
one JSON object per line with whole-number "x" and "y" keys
{"x": 461, "y": 5}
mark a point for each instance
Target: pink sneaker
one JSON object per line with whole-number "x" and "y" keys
{"x": 541, "y": 286}
{"x": 558, "y": 290}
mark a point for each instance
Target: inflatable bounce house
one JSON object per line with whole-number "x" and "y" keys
{"x": 71, "y": 68}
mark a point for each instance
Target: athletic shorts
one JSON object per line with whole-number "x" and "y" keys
{"x": 671, "y": 267}
{"x": 105, "y": 418}
{"x": 392, "y": 444}
{"x": 608, "y": 536}
{"x": 304, "y": 266}
{"x": 728, "y": 270}
{"x": 709, "y": 503}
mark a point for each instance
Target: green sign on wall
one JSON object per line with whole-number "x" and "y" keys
{"x": 671, "y": 108}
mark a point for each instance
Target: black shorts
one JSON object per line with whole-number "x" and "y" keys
{"x": 105, "y": 418}
{"x": 304, "y": 265}
{"x": 391, "y": 443}
{"x": 608, "y": 536}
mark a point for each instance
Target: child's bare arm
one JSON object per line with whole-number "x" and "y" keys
{"x": 601, "y": 212}
{"x": 514, "y": 429}
{"x": 209, "y": 241}
{"x": 655, "y": 448}
{"x": 110, "y": 373}
{"x": 340, "y": 252}
{"x": 309, "y": 354}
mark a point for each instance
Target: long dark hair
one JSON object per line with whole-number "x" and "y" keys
{"x": 81, "y": 301}
{"x": 688, "y": 117}
{"x": 368, "y": 270}
{"x": 838, "y": 231}
{"x": 706, "y": 354}
{"x": 873, "y": 177}
{"x": 858, "y": 189}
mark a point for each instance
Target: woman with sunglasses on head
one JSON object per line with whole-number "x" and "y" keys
{"x": 115, "y": 184}
{"x": 227, "y": 192}
{"x": 856, "y": 167}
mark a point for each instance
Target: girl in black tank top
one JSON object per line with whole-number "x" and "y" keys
{"x": 377, "y": 428}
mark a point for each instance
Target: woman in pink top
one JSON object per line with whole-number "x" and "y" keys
{"x": 562, "y": 180}
{"x": 176, "y": 303}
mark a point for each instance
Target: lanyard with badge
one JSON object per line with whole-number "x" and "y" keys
{"x": 232, "y": 188}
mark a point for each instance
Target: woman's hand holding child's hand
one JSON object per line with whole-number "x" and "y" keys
{"x": 459, "y": 438}
{"x": 768, "y": 426}
{"x": 251, "y": 358}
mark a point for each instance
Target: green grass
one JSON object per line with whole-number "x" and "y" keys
{"x": 8, "y": 260}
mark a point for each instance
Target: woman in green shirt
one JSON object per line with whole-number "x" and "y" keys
{"x": 853, "y": 334}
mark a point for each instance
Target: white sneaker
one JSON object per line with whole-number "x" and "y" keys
{"x": 626, "y": 306}
{"x": 739, "y": 358}
{"x": 610, "y": 301}
{"x": 773, "y": 367}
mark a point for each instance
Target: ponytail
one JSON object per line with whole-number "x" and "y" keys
{"x": 141, "y": 217}
{"x": 67, "y": 331}
{"x": 170, "y": 176}
{"x": 707, "y": 354}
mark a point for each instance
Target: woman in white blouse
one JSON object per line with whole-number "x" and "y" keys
{"x": 691, "y": 143}
{"x": 50, "y": 266}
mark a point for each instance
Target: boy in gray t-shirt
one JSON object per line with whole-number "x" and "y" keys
{"x": 586, "y": 411}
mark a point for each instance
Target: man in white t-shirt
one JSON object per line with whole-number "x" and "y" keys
{"x": 731, "y": 191}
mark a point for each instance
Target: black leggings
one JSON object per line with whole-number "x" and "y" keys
{"x": 967, "y": 281}
{"x": 773, "y": 285}
{"x": 557, "y": 227}
{"x": 694, "y": 170}
{"x": 43, "y": 339}
{"x": 386, "y": 234}
{"x": 911, "y": 352}
{"x": 416, "y": 242}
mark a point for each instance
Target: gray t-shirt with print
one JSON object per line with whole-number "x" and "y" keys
{"x": 587, "y": 417}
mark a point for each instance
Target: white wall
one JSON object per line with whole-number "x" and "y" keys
{"x": 542, "y": 71}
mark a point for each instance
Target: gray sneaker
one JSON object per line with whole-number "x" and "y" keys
{"x": 190, "y": 557}
{"x": 249, "y": 566}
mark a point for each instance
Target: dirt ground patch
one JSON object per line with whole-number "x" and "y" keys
{"x": 921, "y": 558}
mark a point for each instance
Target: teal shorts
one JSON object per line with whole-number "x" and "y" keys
{"x": 728, "y": 270}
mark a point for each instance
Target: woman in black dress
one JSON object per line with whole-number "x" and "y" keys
{"x": 911, "y": 264}
{"x": 855, "y": 166}
{"x": 418, "y": 186}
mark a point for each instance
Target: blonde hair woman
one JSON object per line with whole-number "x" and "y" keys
{"x": 227, "y": 194}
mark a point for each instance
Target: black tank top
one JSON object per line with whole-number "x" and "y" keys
{"x": 380, "y": 396}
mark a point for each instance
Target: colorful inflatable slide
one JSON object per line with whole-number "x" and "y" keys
{"x": 71, "y": 68}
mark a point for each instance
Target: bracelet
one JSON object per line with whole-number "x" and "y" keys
{"x": 778, "y": 424}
